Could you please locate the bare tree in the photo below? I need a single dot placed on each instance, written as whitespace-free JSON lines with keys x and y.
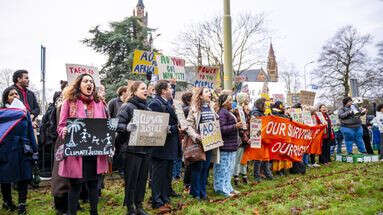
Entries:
{"x":202,"y":43}
{"x":290,"y":76}
{"x":5,"y":79}
{"x":343,"y":57}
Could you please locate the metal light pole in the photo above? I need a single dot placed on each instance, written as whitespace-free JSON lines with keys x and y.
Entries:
{"x":43,"y":66}
{"x":304,"y":73}
{"x":228,"y":56}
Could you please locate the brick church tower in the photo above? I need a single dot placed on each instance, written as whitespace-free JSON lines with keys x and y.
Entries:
{"x":272,"y":66}
{"x":140,"y":13}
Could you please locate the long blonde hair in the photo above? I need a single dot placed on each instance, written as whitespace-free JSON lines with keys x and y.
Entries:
{"x":196,"y":99}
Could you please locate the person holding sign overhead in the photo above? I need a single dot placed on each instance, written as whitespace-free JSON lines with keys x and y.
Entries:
{"x":137,"y":158}
{"x":200,"y":112}
{"x":223,"y":171}
{"x":81,"y":101}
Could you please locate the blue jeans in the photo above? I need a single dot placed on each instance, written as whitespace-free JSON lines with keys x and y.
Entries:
{"x":305,"y":159}
{"x":353,"y":135}
{"x":199,"y":174}
{"x":223,"y":173}
{"x":177,"y":168}
{"x":339,"y":141}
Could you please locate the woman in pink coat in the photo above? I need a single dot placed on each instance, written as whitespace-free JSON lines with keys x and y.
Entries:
{"x":81,"y":101}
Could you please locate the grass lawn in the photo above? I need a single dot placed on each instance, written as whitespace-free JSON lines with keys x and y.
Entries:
{"x":339,"y":188}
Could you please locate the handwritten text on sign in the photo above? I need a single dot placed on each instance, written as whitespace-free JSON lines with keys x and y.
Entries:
{"x":211,"y":135}
{"x":255,"y":133}
{"x":206,"y":76}
{"x":75,"y":70}
{"x":152,"y":128}
{"x":144,"y":62}
{"x":171,"y":68}
{"x":90,"y":137}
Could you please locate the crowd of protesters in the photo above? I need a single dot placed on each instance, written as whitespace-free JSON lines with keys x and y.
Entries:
{"x":156,"y":167}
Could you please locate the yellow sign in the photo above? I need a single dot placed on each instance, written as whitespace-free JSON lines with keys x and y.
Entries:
{"x":144,"y":62}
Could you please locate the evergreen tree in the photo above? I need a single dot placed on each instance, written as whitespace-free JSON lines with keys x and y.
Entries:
{"x":118,"y":44}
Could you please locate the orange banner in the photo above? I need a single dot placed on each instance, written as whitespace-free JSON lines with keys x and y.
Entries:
{"x":289,"y":140}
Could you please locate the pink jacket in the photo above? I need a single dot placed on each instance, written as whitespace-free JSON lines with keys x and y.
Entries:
{"x":71,"y":167}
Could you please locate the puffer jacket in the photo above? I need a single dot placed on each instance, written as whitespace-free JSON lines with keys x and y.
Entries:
{"x":229,"y":131}
{"x":348,"y":118}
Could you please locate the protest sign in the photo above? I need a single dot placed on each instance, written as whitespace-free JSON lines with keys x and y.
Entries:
{"x":334,"y":120}
{"x":211,"y":135}
{"x":307,"y":97}
{"x":180,"y":115}
{"x":307,"y":118}
{"x":289,"y":140}
{"x":171,"y":68}
{"x":74,"y":70}
{"x":278,"y":97}
{"x":206,"y":76}
{"x":144,"y":62}
{"x":152,"y":128}
{"x":296,"y":115}
{"x":90,"y":137}
{"x":321,"y":118}
{"x":242,"y":117}
{"x":255,"y":133}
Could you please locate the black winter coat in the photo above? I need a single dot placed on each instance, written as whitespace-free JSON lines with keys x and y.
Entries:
{"x":125,"y":115}
{"x":172,"y":148}
{"x":114,"y":106}
{"x":32,"y":102}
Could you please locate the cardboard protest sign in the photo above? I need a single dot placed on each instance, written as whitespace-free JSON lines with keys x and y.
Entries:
{"x":255,"y":133}
{"x":211,"y":135}
{"x":242,"y":117}
{"x":74,"y":70}
{"x":144,"y":62}
{"x":90,"y":137}
{"x":180,"y":115}
{"x":289,"y":140}
{"x":171,"y":68}
{"x":307,"y":97}
{"x":206,"y":76}
{"x":307,"y":118}
{"x":152,"y":128}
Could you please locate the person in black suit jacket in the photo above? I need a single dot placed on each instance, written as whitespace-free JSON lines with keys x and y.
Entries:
{"x":163,"y":157}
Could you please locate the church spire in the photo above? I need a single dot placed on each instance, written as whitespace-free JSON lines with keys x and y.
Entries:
{"x":140,"y":4}
{"x":272,"y":66}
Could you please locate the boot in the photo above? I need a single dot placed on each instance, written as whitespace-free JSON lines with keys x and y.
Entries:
{"x":22,"y":209}
{"x":244,"y":179}
{"x":140,"y":211}
{"x":131,"y":210}
{"x":267,"y":170}
{"x":257,"y":171}
{"x":236,"y":180}
{"x":10,"y":206}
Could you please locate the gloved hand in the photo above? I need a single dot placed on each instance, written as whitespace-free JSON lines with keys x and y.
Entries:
{"x":59,"y":156}
{"x":131,"y":127}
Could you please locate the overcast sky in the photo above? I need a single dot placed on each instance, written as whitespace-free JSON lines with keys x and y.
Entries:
{"x":299,"y":27}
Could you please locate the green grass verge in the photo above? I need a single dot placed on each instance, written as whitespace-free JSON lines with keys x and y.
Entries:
{"x":339,"y":188}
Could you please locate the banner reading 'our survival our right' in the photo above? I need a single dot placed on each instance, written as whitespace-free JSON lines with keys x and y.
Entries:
{"x":289,"y":140}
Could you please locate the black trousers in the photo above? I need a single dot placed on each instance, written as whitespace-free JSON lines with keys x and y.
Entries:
{"x":161,"y":181}
{"x":74,"y":195}
{"x":136,"y":176}
{"x":325,"y":156}
{"x":61,"y":203}
{"x":187,"y":176}
{"x":22,"y":188}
